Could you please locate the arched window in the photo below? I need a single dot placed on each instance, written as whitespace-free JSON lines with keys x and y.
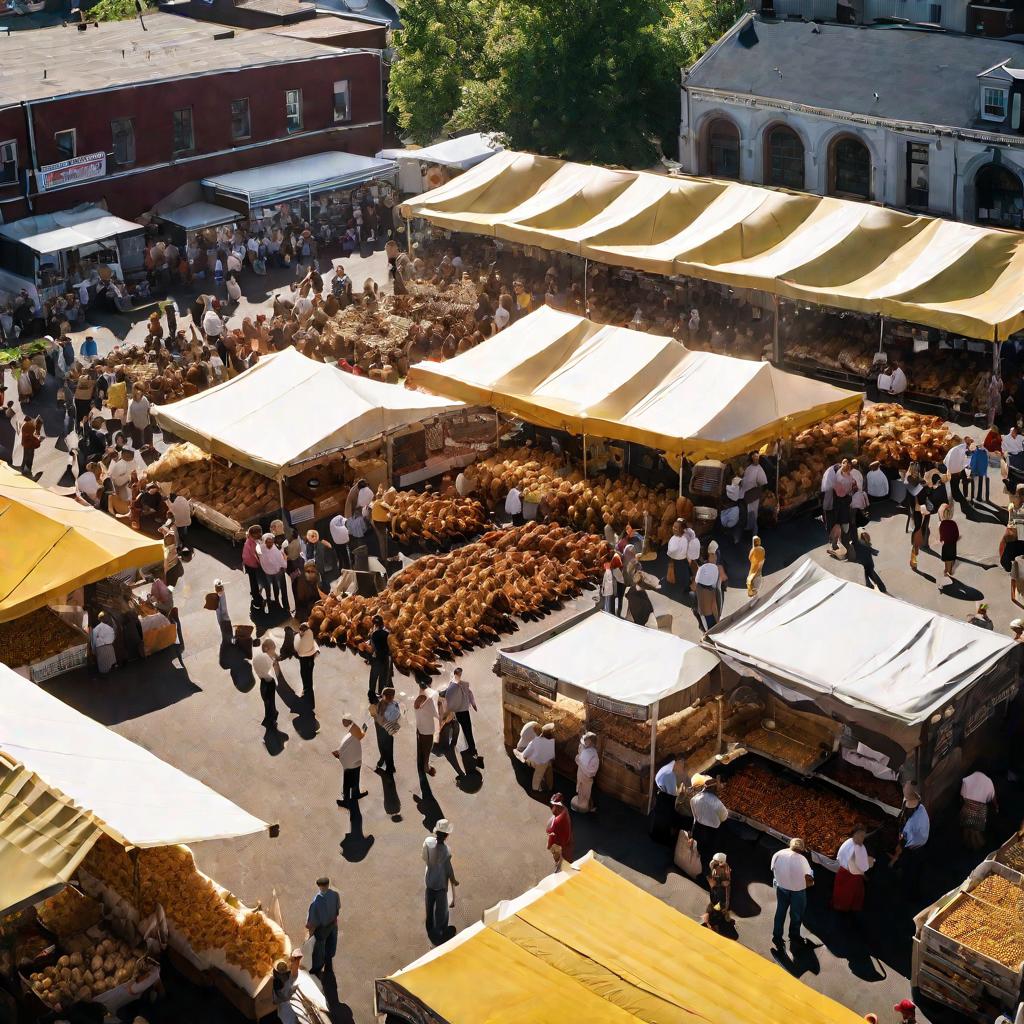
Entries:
{"x":721,"y":149}
{"x":999,"y":197}
{"x":849,"y":168}
{"x":783,"y":157}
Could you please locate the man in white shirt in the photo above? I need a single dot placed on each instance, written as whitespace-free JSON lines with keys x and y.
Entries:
{"x":754,"y":479}
{"x":514,"y":506}
{"x":350,"y":754}
{"x":181,"y":510}
{"x":709,"y":814}
{"x":121,"y":474}
{"x":540,"y":756}
{"x":978,"y":793}
{"x":1013,"y":446}
{"x":956,"y":466}
{"x":103,"y":637}
{"x":588,"y":761}
{"x":303,"y":307}
{"x":264,"y":666}
{"x":213,"y":326}
{"x":669,"y":781}
{"x":88,"y":484}
{"x":340,"y":539}
{"x":363,"y":498}
{"x":274,"y":564}
{"x":678,"y":555}
{"x":792,"y":876}
{"x":877,"y":482}
{"x":234,"y":289}
{"x":854,"y":862}
{"x":427,"y":720}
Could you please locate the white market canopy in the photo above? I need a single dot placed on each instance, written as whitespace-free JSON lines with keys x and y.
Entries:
{"x":461,"y":153}
{"x":844,"y":646}
{"x":607,"y":656}
{"x":562,"y":371}
{"x":298,"y":178}
{"x":134,"y":796}
{"x":196,"y":216}
{"x":68,"y":229}
{"x":288,"y":410}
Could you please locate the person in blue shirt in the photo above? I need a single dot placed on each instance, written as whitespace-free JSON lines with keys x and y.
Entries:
{"x":977,"y":461}
{"x":322,"y":925}
{"x":909,"y":854}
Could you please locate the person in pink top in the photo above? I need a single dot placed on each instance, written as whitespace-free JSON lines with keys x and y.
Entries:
{"x":259,"y":588}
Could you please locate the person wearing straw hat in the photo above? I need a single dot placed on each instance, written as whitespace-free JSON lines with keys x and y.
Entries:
{"x":285,"y":987}
{"x":559,"y":828}
{"x":709,"y":814}
{"x":350,"y":755}
{"x":437,"y":877}
{"x":792,"y":876}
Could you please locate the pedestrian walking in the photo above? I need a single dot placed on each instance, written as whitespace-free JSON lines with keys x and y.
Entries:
{"x":949,"y":534}
{"x":340,"y":539}
{"x":322,"y":927}
{"x":719,"y":879}
{"x":306,"y":650}
{"x":978,"y":796}
{"x":977,"y":456}
{"x":387,"y":718}
{"x":223,"y":616}
{"x":608,"y":588}
{"x":792,"y":876}
{"x":380,"y":659}
{"x":181,"y":510}
{"x":539,"y":754}
{"x":956,"y":462}
{"x":102,"y":640}
{"x":559,"y":832}
{"x":910,"y":850}
{"x":588,"y":761}
{"x":709,"y":593}
{"x":264,"y":664}
{"x":437,"y":878}
{"x":514,"y":506}
{"x":980,"y":616}
{"x":865,"y":554}
{"x":709,"y":813}
{"x":854,"y":863}
{"x":755,"y":557}
{"x":459,"y":699}
{"x":8,"y":435}
{"x":447,"y":740}
{"x":251,"y":564}
{"x":273,"y":563}
{"x":350,"y":755}
{"x":31,"y":439}
{"x":427,"y":717}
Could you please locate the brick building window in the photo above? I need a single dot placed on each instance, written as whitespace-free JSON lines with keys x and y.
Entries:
{"x":66,"y":143}
{"x":783,"y":157}
{"x":293,"y":110}
{"x":8,"y":162}
{"x":722,"y":149}
{"x":342,"y":102}
{"x":849,"y":164}
{"x":123,"y":132}
{"x":184,"y":137}
{"x":241,"y":125}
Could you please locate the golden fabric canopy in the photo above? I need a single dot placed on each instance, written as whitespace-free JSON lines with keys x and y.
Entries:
{"x":837,"y":252}
{"x":50,"y":545}
{"x":562,"y":371}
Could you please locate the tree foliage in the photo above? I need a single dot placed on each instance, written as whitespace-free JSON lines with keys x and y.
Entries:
{"x":705,"y":21}
{"x":115,"y":10}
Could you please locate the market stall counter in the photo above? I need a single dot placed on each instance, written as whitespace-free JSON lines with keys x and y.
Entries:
{"x":648,"y":695}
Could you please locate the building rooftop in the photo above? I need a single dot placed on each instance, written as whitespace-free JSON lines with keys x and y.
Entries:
{"x":889,"y":72}
{"x":324,"y":27}
{"x":56,"y":61}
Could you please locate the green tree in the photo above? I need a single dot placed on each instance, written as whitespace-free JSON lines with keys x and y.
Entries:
{"x":705,"y":21}
{"x":437,"y":50}
{"x":115,"y":10}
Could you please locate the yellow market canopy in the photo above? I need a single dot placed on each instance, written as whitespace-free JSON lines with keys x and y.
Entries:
{"x":838,"y":252}
{"x":590,"y":946}
{"x":288,"y":409}
{"x":50,"y":545}
{"x":562,"y":371}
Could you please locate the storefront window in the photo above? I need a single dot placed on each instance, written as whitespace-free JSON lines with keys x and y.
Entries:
{"x":123,"y":132}
{"x":240,"y":124}
{"x":65,"y":142}
{"x":917,"y":174}
{"x":850,"y":168}
{"x":999,"y":196}
{"x":8,"y":162}
{"x":342,"y":102}
{"x":784,"y":158}
{"x":184,"y":138}
{"x":722,"y":149}
{"x":293,"y":109}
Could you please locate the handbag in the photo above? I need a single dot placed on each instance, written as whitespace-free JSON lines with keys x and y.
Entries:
{"x":686,"y":858}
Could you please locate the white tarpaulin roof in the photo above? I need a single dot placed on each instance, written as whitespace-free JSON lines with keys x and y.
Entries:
{"x":195,"y":216}
{"x":462,"y":153}
{"x":822,"y":635}
{"x":136,"y":798}
{"x":69,"y":229}
{"x":288,"y":409}
{"x":608,"y":656}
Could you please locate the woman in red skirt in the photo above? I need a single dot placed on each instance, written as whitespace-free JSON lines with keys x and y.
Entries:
{"x":848,"y":890}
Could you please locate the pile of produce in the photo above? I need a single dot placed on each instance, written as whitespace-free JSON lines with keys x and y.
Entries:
{"x":237,"y":493}
{"x":889,"y":434}
{"x":167,"y":876}
{"x":89,"y":969}
{"x":69,"y":912}
{"x":429,"y":301}
{"x":441,"y":605}
{"x":362,"y":330}
{"x":990,"y":920}
{"x":834,"y":353}
{"x":582,"y":504}
{"x":430,"y":519}
{"x":686,"y":731}
{"x":568,"y":716}
{"x":35,"y":637}
{"x":887,"y":791}
{"x":822,"y":819}
{"x":1013,"y":855}
{"x":22,"y":948}
{"x":776,"y":744}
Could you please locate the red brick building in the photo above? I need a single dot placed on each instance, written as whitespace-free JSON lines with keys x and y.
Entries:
{"x":159,"y":107}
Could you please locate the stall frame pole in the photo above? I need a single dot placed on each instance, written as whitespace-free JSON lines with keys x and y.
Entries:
{"x":881,"y":331}
{"x":680,"y":474}
{"x":584,"y":456}
{"x":280,"y":495}
{"x":408,"y":237}
{"x":654,"y":753}
{"x":778,"y":470}
{"x":586,"y":296}
{"x":389,"y":458}
{"x":497,"y":430}
{"x":996,"y":354}
{"x":776,"y":341}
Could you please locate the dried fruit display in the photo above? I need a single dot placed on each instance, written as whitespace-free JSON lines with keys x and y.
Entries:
{"x":785,"y":748}
{"x":24,"y":946}
{"x":69,"y":912}
{"x":426,"y":518}
{"x":1013,"y":856}
{"x":87,"y":970}
{"x":442,"y":604}
{"x":822,"y":819}
{"x":887,"y":791}
{"x":191,"y":901}
{"x":35,"y":637}
{"x":237,"y":493}
{"x":985,"y":927}
{"x":583,"y":504}
{"x":568,"y":716}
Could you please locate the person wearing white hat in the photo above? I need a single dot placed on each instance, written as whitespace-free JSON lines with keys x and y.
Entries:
{"x":540,"y":756}
{"x":437,"y":877}
{"x":223,"y":617}
{"x":1017,"y":626}
{"x":587,"y":763}
{"x":709,"y":814}
{"x":350,"y":754}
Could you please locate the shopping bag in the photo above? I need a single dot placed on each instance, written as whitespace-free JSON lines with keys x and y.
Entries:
{"x":687,"y":859}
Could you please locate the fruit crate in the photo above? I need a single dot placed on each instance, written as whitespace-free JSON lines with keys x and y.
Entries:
{"x":67,"y":661}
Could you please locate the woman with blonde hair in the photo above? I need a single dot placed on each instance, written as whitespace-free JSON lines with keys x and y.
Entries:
{"x":949,"y":534}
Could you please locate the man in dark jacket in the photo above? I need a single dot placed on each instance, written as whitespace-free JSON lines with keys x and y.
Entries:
{"x":865,"y":554}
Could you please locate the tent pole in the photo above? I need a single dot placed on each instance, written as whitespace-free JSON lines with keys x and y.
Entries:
{"x":680,"y":474}
{"x":389,"y":459}
{"x":776,"y":342}
{"x":586,"y":265}
{"x":408,"y":237}
{"x":996,"y":354}
{"x":881,"y":330}
{"x":654,"y":753}
{"x":280,"y":494}
{"x":584,"y":456}
{"x":778,"y":469}
{"x":497,"y":430}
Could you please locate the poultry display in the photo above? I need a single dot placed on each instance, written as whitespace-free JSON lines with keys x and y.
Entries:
{"x":433,"y":520}
{"x":233,"y":491}
{"x":585,"y":504}
{"x":441,"y":605}
{"x":889,"y":433}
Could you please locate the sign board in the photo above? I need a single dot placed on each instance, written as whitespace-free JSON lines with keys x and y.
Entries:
{"x":617,"y":707}
{"x":71,"y":172}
